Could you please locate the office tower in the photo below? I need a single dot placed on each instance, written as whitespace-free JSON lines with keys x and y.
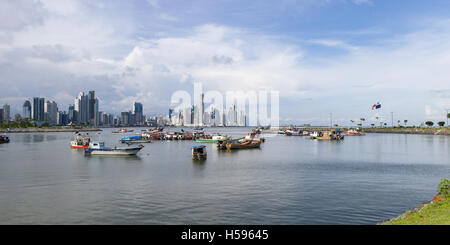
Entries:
{"x":82,"y":108}
{"x":92,"y":110}
{"x":38,"y":109}
{"x":62,"y":118}
{"x":72,"y":115}
{"x":138,"y":113}
{"x":1,"y":115}
{"x":96,"y":119}
{"x":6,"y":113}
{"x":125,"y":118}
{"x":26,"y":110}
{"x":51,"y":110}
{"x":170,"y":115}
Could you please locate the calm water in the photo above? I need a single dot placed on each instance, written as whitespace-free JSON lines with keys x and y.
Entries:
{"x":290,"y":180}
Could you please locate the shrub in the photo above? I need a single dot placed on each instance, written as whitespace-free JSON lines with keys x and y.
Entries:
{"x":444,"y":188}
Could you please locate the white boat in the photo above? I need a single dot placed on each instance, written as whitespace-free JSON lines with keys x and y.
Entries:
{"x":98,"y":148}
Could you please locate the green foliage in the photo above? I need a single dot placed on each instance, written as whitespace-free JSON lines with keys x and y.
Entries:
{"x":444,"y":188}
{"x":429,"y":123}
{"x":441,"y":124}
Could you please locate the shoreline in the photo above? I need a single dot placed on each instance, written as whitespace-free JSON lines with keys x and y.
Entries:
{"x":49,"y":130}
{"x":435,"y":212}
{"x":395,"y":130}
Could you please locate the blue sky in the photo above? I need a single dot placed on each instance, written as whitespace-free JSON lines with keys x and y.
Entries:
{"x":339,"y":56}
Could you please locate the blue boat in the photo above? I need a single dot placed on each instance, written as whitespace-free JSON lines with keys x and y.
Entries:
{"x":134,"y":139}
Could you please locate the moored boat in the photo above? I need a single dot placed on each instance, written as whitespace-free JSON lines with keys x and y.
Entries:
{"x":80,"y":142}
{"x":4,"y":139}
{"x":249,"y":144}
{"x":213,"y":139}
{"x":354,"y":132}
{"x":331,"y":135}
{"x":134,"y":139}
{"x":123,"y":130}
{"x":199,"y":152}
{"x":98,"y":148}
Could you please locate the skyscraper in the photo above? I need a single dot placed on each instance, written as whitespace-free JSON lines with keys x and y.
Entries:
{"x":38,"y":109}
{"x":138,"y":113}
{"x":6,"y":113}
{"x":72,"y":114}
{"x":125,"y":118}
{"x":51,"y":110}
{"x":81,"y":108}
{"x":92,"y":110}
{"x":26,"y":114}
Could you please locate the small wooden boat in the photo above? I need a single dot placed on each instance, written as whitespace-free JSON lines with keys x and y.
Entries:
{"x":199,"y":152}
{"x":4,"y":139}
{"x":98,"y":148}
{"x":80,"y":142}
{"x":243,"y":145}
{"x":123,"y":130}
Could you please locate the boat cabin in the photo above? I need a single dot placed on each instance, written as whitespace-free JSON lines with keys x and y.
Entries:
{"x":198,"y":152}
{"x":97,"y":145}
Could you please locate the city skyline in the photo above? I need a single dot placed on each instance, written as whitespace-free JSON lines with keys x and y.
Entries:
{"x":313,"y":52}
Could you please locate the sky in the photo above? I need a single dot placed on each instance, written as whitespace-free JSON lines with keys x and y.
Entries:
{"x":323,"y":56}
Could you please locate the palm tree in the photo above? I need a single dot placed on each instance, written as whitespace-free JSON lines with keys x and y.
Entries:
{"x":398,"y":123}
{"x":405,"y":121}
{"x":362,"y":120}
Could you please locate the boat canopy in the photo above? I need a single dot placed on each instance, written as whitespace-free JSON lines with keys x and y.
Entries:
{"x":198,"y":146}
{"x":97,"y":145}
{"x":132,"y":138}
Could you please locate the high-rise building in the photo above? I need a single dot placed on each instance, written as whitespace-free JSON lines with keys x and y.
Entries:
{"x":81,"y":109}
{"x":38,"y":109}
{"x":72,"y":114}
{"x":92,"y":108}
{"x":138,"y":113}
{"x":26,"y":110}
{"x":51,"y":110}
{"x":6,"y":113}
{"x":62,"y":118}
{"x":125,"y":118}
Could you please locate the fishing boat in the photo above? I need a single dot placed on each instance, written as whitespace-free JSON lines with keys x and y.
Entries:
{"x":249,"y":144}
{"x":134,"y":139}
{"x":123,"y":130}
{"x":331,"y":135}
{"x":4,"y":139}
{"x":254,"y":137}
{"x":293,"y":133}
{"x":213,"y":139}
{"x":199,"y":152}
{"x":98,"y":148}
{"x":80,"y":142}
{"x":313,"y":135}
{"x":353,"y":132}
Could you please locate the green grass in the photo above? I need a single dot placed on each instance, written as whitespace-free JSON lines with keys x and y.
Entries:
{"x":432,"y":214}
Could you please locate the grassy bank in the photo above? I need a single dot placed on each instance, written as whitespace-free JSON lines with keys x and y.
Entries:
{"x":411,"y":130}
{"x":390,"y":130}
{"x":428,"y":214}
